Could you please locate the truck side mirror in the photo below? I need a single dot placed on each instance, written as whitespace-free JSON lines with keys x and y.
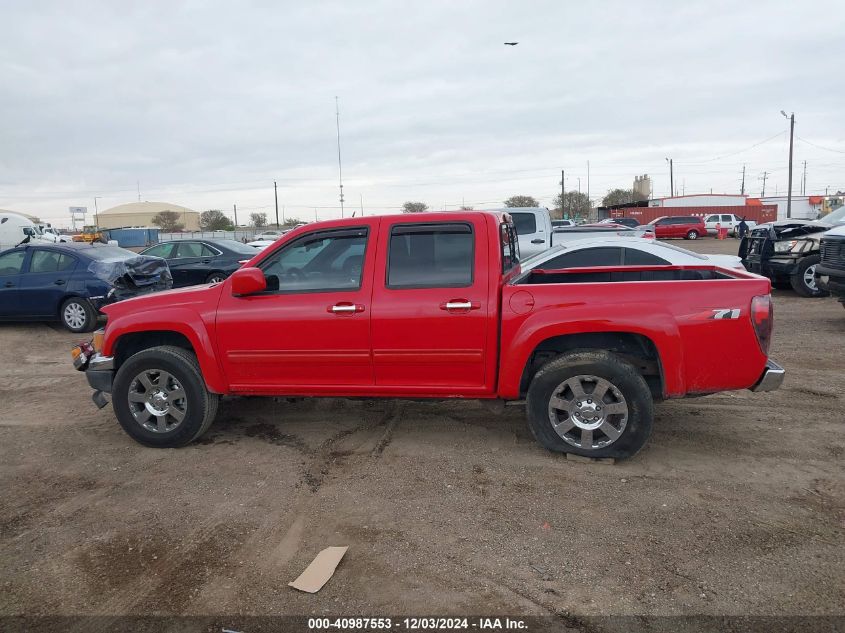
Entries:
{"x":248,"y":281}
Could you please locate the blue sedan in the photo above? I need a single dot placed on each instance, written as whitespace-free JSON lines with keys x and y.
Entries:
{"x":71,"y":282}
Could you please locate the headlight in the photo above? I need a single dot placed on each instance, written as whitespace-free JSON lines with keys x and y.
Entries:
{"x":97,"y":340}
{"x":785,"y":247}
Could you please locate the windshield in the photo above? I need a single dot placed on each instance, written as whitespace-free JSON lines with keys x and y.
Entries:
{"x":834,"y":217}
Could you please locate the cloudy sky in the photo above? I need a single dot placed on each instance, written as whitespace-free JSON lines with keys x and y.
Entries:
{"x":205,"y":104}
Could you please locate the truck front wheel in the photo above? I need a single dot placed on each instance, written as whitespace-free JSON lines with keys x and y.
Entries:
{"x":160,"y":399}
{"x":804,"y":279}
{"x":590,"y":403}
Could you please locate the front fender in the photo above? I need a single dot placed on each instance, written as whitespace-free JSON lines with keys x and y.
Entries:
{"x":181,"y":320}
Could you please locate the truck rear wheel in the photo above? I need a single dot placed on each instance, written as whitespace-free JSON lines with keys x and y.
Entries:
{"x":804,"y":280}
{"x":160,"y":399}
{"x":590,"y":403}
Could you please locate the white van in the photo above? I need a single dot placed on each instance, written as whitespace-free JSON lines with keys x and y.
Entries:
{"x":14,"y":228}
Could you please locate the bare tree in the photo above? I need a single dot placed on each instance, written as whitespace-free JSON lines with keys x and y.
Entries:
{"x":414,"y":207}
{"x":258,"y":220}
{"x":521,"y":201}
{"x":168,"y":221}
{"x":215,"y":220}
{"x":621,"y":196}
{"x":573,"y":205}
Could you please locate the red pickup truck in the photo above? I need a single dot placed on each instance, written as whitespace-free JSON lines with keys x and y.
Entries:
{"x":435,"y":305}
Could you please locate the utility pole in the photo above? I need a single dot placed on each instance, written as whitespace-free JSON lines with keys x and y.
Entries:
{"x":804,"y":181}
{"x":362,"y":204}
{"x":763,"y":177}
{"x":671,"y":178}
{"x":791,"y":118}
{"x":339,"y":165}
{"x":588,"y":186}
{"x":562,"y":194}
{"x":742,"y":191}
{"x":96,"y":213}
{"x":276,"y":196}
{"x":138,"y":182}
{"x":235,"y":207}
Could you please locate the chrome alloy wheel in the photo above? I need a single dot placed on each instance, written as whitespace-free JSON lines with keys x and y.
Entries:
{"x":810,"y":278}
{"x":157,"y":401}
{"x":74,"y":315}
{"x":588,"y":412}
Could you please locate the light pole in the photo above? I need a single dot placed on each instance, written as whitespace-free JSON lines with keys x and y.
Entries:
{"x":791,"y":118}
{"x":671,"y":178}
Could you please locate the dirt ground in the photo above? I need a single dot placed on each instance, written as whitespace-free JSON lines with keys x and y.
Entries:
{"x":735,"y":507}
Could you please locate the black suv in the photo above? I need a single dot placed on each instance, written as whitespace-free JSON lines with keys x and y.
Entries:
{"x":788,"y":252}
{"x":830,"y":273}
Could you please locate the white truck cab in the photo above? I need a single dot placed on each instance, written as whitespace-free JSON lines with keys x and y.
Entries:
{"x":533,"y":227}
{"x":727,"y":221}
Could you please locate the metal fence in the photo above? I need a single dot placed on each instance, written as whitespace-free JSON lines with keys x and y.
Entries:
{"x":238,"y":235}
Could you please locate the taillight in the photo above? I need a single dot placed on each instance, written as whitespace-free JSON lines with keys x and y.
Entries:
{"x":762,"y":316}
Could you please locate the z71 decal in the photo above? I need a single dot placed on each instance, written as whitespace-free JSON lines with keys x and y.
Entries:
{"x":726,"y":313}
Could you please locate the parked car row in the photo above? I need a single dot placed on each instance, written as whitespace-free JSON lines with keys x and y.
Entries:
{"x":72,"y":282}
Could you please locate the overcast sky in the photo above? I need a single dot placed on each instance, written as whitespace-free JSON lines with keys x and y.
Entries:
{"x":205,"y":105}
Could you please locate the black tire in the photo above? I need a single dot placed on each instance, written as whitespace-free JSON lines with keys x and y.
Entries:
{"x":215,"y":277}
{"x":692,"y":235}
{"x":800,"y":280}
{"x":630,"y":389}
{"x":199,"y":405}
{"x":78,"y":315}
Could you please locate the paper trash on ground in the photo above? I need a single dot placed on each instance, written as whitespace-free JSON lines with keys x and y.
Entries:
{"x":320,"y":570}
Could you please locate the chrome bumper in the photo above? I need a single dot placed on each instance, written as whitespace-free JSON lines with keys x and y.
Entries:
{"x":100,"y":372}
{"x":771,"y":379}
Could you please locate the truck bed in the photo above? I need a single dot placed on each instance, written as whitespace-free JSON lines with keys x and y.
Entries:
{"x":604,"y":274}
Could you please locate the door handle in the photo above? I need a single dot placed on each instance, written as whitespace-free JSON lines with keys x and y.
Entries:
{"x":59,"y":282}
{"x":9,"y":284}
{"x":206,"y":261}
{"x":539,"y":240}
{"x":459,"y":305}
{"x":345,"y":308}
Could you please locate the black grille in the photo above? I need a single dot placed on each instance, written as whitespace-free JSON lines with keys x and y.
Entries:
{"x":833,"y":252}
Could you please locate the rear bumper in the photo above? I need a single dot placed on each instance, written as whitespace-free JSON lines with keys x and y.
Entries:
{"x":771,"y":379}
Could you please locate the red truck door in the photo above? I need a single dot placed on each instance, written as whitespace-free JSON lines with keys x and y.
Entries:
{"x":311,"y":327}
{"x":430,"y":310}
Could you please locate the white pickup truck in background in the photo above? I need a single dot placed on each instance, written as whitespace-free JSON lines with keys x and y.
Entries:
{"x":537,"y":233}
{"x":728,"y":221}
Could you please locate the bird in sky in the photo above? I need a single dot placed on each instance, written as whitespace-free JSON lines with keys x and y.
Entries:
{"x":511,"y":43}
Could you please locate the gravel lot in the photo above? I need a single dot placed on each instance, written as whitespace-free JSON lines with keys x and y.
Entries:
{"x":736,"y":506}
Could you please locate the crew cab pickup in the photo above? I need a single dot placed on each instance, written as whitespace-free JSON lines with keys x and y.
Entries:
{"x":435,"y":306}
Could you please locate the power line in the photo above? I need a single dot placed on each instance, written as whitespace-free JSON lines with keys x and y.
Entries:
{"x":710,"y":160}
{"x":827,"y":149}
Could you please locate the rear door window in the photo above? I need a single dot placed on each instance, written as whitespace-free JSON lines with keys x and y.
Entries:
{"x":431,"y":256}
{"x":50,"y":262}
